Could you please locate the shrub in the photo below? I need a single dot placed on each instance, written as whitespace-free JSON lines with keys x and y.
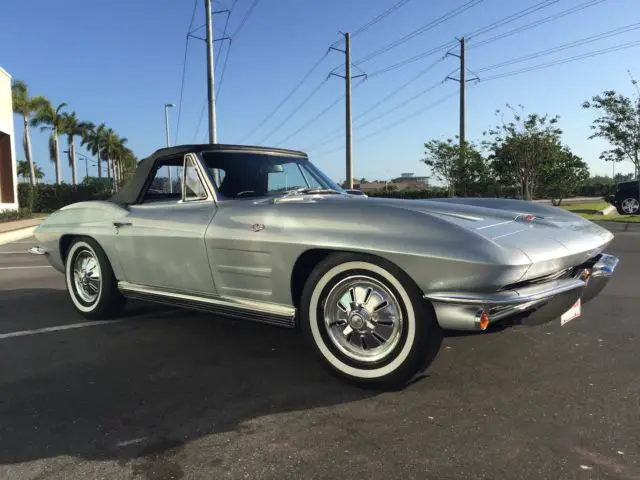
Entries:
{"x":49,"y":198}
{"x":11,"y":215}
{"x":25,"y":196}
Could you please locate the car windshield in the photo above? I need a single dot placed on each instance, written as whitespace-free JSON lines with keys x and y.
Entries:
{"x":247,"y":174}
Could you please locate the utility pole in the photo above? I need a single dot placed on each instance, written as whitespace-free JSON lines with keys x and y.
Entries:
{"x":347,"y":110}
{"x":210,"y":73}
{"x":462,"y":81}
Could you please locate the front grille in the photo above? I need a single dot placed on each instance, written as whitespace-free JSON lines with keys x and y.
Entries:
{"x":572,"y":272}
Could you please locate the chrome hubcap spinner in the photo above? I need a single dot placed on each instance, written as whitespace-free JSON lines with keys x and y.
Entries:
{"x":363,"y":318}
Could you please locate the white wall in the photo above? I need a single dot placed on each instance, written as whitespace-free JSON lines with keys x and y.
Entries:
{"x":6,"y":126}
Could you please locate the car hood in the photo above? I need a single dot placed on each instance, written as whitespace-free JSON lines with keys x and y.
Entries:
{"x":552,"y":238}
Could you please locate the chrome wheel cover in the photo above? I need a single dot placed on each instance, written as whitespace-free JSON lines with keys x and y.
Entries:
{"x":87,"y":276}
{"x":630,"y":205}
{"x":363,"y":318}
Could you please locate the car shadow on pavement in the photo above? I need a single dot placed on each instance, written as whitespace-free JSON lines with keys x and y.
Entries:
{"x":147,"y":385}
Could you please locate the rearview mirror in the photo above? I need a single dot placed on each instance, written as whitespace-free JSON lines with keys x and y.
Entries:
{"x":274,"y":168}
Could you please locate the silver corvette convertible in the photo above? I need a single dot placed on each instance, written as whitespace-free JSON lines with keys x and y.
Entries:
{"x":261,"y":234}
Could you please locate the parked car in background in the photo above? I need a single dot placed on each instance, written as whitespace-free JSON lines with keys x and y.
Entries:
{"x":261,"y":234}
{"x":627,"y":198}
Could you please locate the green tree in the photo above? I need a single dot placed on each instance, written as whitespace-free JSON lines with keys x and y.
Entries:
{"x":94,"y":137}
{"x":52,"y":119}
{"x":562,"y":175}
{"x":26,"y":106}
{"x":72,"y":127}
{"x":24,"y":170}
{"x":521,"y":149}
{"x":443,"y":158}
{"x":622,"y":177}
{"x":619,"y":124}
{"x":600,"y":180}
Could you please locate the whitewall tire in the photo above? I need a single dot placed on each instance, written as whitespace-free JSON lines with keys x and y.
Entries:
{"x":90,"y":281}
{"x":368,"y":321}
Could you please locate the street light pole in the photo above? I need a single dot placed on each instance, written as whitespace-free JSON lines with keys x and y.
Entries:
{"x":166,"y":127}
{"x":85,"y":158}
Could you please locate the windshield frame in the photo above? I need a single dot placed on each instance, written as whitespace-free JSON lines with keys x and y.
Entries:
{"x":307,"y":169}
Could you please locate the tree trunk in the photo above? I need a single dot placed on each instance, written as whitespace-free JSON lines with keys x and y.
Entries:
{"x":72,"y":152}
{"x":99,"y":164}
{"x":116,"y":167}
{"x":57,"y":152}
{"x":27,"y":151}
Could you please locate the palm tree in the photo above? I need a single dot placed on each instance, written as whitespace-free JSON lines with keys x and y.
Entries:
{"x":94,"y":138}
{"x":114,"y":146}
{"x":71,"y":127}
{"x":24,"y":171}
{"x":49,"y":119}
{"x":26,"y":106}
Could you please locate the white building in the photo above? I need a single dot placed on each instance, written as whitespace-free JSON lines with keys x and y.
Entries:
{"x":8,"y":177}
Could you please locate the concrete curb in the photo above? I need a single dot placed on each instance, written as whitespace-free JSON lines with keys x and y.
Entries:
{"x":15,"y":235}
{"x":619,"y":226}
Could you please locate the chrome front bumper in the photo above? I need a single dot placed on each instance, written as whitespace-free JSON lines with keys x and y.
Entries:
{"x":531,"y":305}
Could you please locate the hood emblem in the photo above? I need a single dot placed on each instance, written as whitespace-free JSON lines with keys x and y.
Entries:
{"x":256,"y":227}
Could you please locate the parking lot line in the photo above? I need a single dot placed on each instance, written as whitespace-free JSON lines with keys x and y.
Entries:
{"x":19,"y":252}
{"x":25,"y":266}
{"x":38,"y":331}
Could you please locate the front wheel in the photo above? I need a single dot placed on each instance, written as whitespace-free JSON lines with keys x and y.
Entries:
{"x":91,"y":284}
{"x":368,"y":321}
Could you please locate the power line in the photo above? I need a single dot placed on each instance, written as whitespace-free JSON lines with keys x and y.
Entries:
{"x":415,"y":58}
{"x":511,"y":18}
{"x":563,"y":61}
{"x":576,"y":43}
{"x":400,"y":121}
{"x":387,"y":112}
{"x":449,"y":44}
{"x":294,"y":111}
{"x":331,"y":135}
{"x":380,"y":17}
{"x":434,"y":23}
{"x":184,"y":68}
{"x":361,"y":29}
{"x":245,"y":18}
{"x":318,"y":116}
{"x":286,"y":98}
{"x":542,"y":21}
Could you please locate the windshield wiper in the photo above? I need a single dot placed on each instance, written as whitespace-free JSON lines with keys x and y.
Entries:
{"x":309,"y":191}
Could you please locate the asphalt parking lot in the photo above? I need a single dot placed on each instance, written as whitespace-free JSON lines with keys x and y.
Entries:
{"x":167,"y":394}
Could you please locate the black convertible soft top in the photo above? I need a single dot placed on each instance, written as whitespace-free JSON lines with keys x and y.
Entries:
{"x":131,"y":192}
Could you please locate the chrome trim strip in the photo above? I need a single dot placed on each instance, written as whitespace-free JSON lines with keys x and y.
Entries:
{"x":38,"y":250}
{"x":232,"y":303}
{"x":508,"y":297}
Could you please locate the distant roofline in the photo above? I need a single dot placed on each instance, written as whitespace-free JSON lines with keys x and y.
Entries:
{"x":2,"y":70}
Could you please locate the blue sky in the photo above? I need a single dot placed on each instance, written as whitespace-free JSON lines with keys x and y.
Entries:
{"x":121,"y":61}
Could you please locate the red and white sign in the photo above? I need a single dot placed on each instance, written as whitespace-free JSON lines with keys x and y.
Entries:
{"x":573,"y":312}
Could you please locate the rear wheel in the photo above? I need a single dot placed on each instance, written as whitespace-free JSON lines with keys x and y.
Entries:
{"x":90,"y":281}
{"x":629,"y":206}
{"x":368,"y":321}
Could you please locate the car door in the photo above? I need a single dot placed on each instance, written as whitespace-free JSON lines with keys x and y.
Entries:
{"x":161,"y":242}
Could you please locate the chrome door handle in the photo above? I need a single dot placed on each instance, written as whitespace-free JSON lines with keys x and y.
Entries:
{"x":122,"y":224}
